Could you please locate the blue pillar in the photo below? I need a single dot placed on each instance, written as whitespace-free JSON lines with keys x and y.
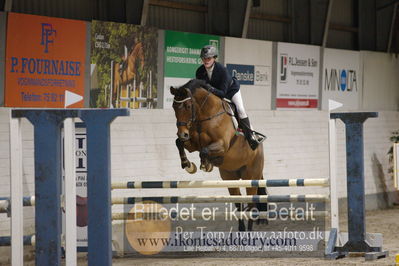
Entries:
{"x":355,"y":181}
{"x":47,"y":141}
{"x":99,"y":184}
{"x":47,"y":136}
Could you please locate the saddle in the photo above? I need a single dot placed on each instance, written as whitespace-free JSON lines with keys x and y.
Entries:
{"x":231,"y":110}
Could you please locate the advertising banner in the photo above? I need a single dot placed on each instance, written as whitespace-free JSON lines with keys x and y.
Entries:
{"x":250,"y":74}
{"x":250,"y":61}
{"x":3,"y":23}
{"x":81,"y":186}
{"x":187,"y":229}
{"x":297,"y":81}
{"x":341,"y":78}
{"x":123,"y":65}
{"x":45,"y":62}
{"x":182,"y":58}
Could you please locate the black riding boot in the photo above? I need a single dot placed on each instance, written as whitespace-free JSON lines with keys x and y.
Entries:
{"x":249,"y":133}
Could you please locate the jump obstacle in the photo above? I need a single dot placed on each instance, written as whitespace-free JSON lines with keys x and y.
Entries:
{"x":5,"y":205}
{"x":222,"y":184}
{"x":214,"y":199}
{"x":27,"y":240}
{"x":47,"y":124}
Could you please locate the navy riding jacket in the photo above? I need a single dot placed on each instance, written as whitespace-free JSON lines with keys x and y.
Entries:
{"x":225,"y":86}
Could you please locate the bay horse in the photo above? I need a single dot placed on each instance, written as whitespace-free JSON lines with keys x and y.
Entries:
{"x":204,"y":124}
{"x":127,"y":70}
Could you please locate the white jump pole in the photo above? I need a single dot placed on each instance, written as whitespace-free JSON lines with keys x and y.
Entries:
{"x":70,"y":192}
{"x":332,"y":141}
{"x":17,"y":229}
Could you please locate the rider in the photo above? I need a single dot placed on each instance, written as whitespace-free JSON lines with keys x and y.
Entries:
{"x":223,"y":85}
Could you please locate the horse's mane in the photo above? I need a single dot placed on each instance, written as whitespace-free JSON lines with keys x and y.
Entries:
{"x":194,"y":84}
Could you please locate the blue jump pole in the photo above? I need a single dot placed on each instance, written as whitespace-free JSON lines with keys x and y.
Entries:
{"x":355,"y":184}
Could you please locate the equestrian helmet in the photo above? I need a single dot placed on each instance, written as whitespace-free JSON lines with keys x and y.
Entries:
{"x":209,"y":51}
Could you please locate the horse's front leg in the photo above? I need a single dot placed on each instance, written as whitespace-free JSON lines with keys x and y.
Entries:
{"x":185,"y":163}
{"x":205,"y":164}
{"x":212,"y":155}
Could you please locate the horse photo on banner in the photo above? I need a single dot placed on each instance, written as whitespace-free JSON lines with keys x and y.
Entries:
{"x":123,"y":65}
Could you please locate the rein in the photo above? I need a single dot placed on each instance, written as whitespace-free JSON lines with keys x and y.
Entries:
{"x":193,"y":113}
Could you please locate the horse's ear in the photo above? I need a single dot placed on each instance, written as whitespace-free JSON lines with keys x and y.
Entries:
{"x":173,"y":90}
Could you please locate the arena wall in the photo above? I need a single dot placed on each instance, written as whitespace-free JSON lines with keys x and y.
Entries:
{"x":380,"y":81}
{"x":143,"y":149}
{"x":297,"y":147}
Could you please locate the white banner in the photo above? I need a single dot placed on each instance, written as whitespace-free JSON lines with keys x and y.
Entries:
{"x":297,"y":76}
{"x":341,"y":78}
{"x":250,"y":61}
{"x":380,"y":81}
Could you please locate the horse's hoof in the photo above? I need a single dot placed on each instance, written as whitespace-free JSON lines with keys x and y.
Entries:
{"x":192,"y":169}
{"x":206,"y":167}
{"x":203,"y":167}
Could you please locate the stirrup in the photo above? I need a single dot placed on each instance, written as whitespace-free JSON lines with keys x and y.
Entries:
{"x":259,"y":137}
{"x":255,"y":139}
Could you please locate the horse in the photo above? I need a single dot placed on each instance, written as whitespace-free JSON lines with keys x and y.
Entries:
{"x":133,"y":65}
{"x":204,"y":124}
{"x":127,"y":70}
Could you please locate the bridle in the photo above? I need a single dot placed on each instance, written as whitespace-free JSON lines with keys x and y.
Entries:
{"x":194,"y":119}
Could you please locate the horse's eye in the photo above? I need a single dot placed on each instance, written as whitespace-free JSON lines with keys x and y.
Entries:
{"x":188,"y":106}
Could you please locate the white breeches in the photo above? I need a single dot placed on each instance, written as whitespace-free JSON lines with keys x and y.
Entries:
{"x":237,"y":100}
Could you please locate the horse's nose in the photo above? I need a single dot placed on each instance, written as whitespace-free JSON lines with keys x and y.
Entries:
{"x":183,"y":135}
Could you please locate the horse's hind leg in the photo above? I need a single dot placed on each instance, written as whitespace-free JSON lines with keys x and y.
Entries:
{"x":241,"y":224}
{"x":251,"y":206}
{"x":254,"y":171}
{"x":234,"y":175}
{"x":262,"y":206}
